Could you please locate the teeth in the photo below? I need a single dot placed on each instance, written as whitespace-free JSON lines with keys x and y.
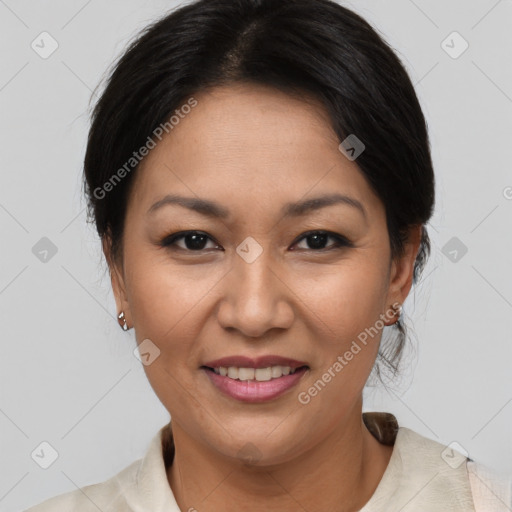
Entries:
{"x":259,"y":374}
{"x":264,"y":373}
{"x":246,"y":373}
{"x":276,"y":371}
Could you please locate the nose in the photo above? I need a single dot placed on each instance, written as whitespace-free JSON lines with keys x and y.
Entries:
{"x":256,"y":297}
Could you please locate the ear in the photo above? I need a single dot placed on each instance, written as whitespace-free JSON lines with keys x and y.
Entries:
{"x":402,"y":268}
{"x":117,"y":280}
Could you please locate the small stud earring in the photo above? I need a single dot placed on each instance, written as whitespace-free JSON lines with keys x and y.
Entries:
{"x":122,"y":321}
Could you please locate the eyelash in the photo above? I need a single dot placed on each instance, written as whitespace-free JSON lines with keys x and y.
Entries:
{"x":340,"y":241}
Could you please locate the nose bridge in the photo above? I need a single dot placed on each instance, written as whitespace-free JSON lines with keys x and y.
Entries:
{"x":255,"y":298}
{"x":253,"y":269}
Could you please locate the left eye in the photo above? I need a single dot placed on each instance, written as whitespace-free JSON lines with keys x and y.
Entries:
{"x":318,"y":239}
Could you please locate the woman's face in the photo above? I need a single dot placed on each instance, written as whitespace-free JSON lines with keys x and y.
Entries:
{"x":253,"y":283}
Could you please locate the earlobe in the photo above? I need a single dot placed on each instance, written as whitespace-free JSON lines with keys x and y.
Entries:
{"x":396,"y":308}
{"x":402,"y":268}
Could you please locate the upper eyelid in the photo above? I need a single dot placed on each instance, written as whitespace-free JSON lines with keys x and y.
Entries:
{"x":321,"y":232}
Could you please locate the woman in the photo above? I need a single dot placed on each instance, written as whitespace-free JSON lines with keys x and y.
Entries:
{"x":260,"y":176}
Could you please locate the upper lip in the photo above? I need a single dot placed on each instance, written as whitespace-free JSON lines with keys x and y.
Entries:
{"x":257,"y":362}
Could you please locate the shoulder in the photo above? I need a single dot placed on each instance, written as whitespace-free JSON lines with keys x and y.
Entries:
{"x":105,"y":496}
{"x":433,"y":476}
{"x":142,"y":485}
{"x":421,"y":451}
{"x":492,"y":490}
{"x":455,"y":474}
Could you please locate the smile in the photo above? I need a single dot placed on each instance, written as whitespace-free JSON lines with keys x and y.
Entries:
{"x":254,"y":384}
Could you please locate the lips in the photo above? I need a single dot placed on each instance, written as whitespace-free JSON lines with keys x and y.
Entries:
{"x":255,"y":391}
{"x":258,"y":362}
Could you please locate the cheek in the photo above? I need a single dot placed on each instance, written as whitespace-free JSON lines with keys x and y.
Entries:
{"x":167,"y":307}
{"x":348,"y":302}
{"x":164,"y":297}
{"x":170,"y":306}
{"x":347,"y":299}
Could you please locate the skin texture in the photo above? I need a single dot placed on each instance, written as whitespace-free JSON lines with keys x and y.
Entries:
{"x":252,"y":149}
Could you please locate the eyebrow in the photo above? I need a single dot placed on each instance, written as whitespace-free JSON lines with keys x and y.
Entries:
{"x":211,"y":209}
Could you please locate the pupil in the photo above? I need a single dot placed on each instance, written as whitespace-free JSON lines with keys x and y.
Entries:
{"x":197,"y":241}
{"x":318,"y":240}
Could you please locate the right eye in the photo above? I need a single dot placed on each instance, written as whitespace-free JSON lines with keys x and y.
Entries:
{"x":193,"y":241}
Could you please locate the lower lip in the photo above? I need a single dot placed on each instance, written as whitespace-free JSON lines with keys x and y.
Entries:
{"x":252,"y":390}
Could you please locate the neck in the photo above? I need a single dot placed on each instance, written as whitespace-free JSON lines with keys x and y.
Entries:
{"x":340,"y":474}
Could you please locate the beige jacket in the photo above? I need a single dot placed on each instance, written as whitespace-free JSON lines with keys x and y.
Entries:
{"x":422,"y":476}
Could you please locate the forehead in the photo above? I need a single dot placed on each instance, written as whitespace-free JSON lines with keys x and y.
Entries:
{"x":250,"y":143}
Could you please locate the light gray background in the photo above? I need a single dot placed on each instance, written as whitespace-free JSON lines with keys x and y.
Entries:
{"x":68,"y":374}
